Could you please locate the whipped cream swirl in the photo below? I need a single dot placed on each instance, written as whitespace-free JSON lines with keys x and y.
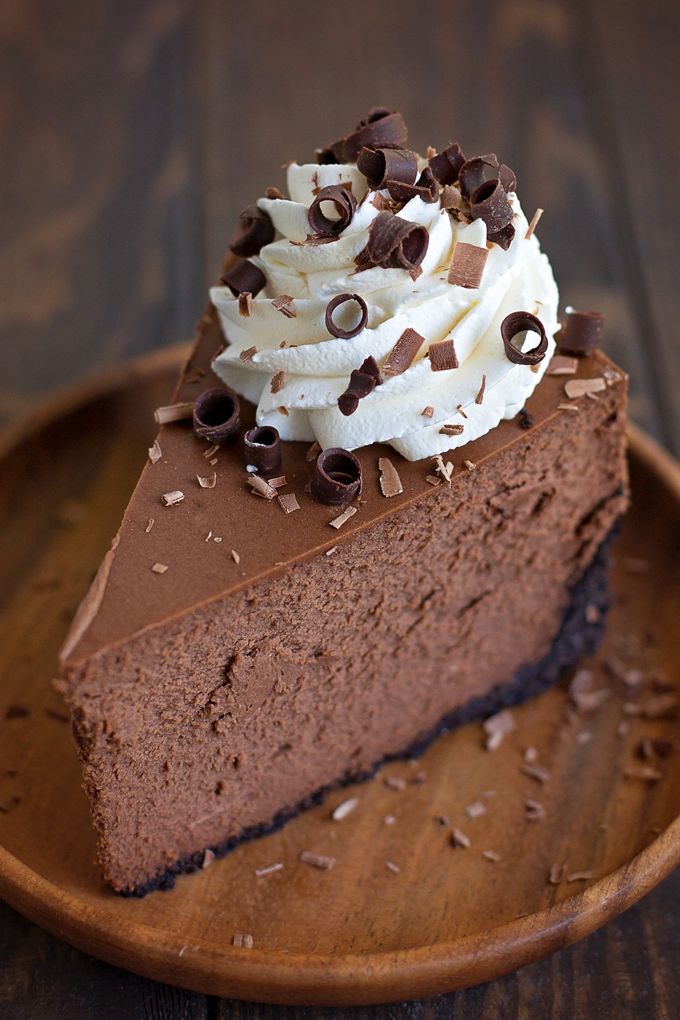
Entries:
{"x":310,"y":368}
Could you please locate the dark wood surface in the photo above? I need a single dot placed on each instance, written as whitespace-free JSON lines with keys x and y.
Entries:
{"x":132,"y":133}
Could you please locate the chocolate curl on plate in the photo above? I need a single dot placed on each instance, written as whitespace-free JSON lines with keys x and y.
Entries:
{"x":523,"y":322}
{"x":382,"y":165}
{"x":345,"y":204}
{"x":244,"y":277}
{"x":381,"y":128}
{"x":393,"y":243}
{"x":262,"y":446}
{"x":362,"y":381}
{"x":446,"y":164}
{"x":581,"y":333}
{"x":425,"y":188}
{"x":255,"y":229}
{"x":336,"y":302}
{"x":489,"y":203}
{"x":217,"y":415}
{"x":336,"y":477}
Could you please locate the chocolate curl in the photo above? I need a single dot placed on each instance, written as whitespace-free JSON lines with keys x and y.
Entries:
{"x":345,"y":204}
{"x":382,"y":165}
{"x":393,"y":243}
{"x":341,"y":299}
{"x":381,"y":128}
{"x":362,"y":381}
{"x":489,"y":203}
{"x":244,"y":277}
{"x":262,"y":447}
{"x":475,"y":171}
{"x":217,"y":415}
{"x":254,"y":231}
{"x":425,"y":188}
{"x":581,"y":333}
{"x":520,"y":322}
{"x":503,"y":238}
{"x":336,"y":477}
{"x":446,"y":165}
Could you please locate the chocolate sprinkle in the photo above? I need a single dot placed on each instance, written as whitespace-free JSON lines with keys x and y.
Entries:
{"x":404,"y":351}
{"x":254,"y":231}
{"x":336,"y":302}
{"x":382,"y":165}
{"x":336,"y":477}
{"x":244,"y":277}
{"x":345,"y":205}
{"x":217,"y":415}
{"x":521,"y":322}
{"x":425,"y":188}
{"x":446,"y":165}
{"x":489,"y":203}
{"x":443,"y":356}
{"x":380,"y":128}
{"x":245,"y":304}
{"x":262,"y":446}
{"x":393,"y":243}
{"x":581,"y":333}
{"x":467,"y":265}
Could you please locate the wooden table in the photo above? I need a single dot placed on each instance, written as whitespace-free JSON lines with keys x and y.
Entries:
{"x":132,"y":133}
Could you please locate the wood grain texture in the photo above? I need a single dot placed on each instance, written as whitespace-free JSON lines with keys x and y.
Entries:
{"x":142,"y":129}
{"x":447,"y":918}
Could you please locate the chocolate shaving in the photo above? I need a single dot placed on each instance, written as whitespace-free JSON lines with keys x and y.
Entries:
{"x":336,"y":477}
{"x":451,"y":430}
{"x":480,"y":394}
{"x":425,"y":188}
{"x":503,"y":238}
{"x":581,"y":333}
{"x":313,"y":452}
{"x":245,"y":304}
{"x":172,"y":498}
{"x":159,"y":568}
{"x":288,"y":502}
{"x":584,"y":387}
{"x":244,"y":277}
{"x":521,"y":322}
{"x":345,"y":205}
{"x":278,"y":382}
{"x":459,"y":839}
{"x":217,"y":415}
{"x":489,"y":203}
{"x":319,"y":861}
{"x":467,"y":265}
{"x":533,"y":224}
{"x":255,"y":229}
{"x":393,"y":243}
{"x":338,"y":522}
{"x":207,"y":483}
{"x":155,"y":452}
{"x":390,"y":482}
{"x":284,"y":304}
{"x":445,"y":166}
{"x":443,"y":356}
{"x":362,"y":381}
{"x":476,"y":171}
{"x":380,"y":165}
{"x":344,"y":808}
{"x":261,"y":488}
{"x":336,"y":302}
{"x":402,"y":354}
{"x":427,"y":412}
{"x":173,"y":412}
{"x":561,"y":365}
{"x":243,"y":941}
{"x":380,"y":128}
{"x":497,"y":727}
{"x":262,"y":446}
{"x":247,"y":354}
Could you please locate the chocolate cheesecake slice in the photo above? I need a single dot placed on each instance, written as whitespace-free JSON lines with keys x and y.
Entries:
{"x":246,"y":645}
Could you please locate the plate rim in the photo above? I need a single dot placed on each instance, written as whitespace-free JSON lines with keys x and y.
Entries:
{"x":275,"y":976}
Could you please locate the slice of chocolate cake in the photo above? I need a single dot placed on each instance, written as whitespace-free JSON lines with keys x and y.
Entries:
{"x":269,"y":623}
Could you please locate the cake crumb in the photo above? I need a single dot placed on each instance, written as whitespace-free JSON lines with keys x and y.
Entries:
{"x":389,"y":820}
{"x":208,"y":858}
{"x":534,"y":810}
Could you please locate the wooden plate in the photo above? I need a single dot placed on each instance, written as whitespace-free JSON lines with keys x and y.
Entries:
{"x":362,"y":932}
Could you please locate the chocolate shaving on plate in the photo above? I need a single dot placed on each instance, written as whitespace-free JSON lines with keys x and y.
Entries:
{"x":217,"y":415}
{"x":261,"y":488}
{"x":337,"y":302}
{"x":390,"y":482}
{"x":172,"y":498}
{"x":446,"y":165}
{"x":561,"y":365}
{"x":320,"y":861}
{"x":344,"y":204}
{"x":155,"y":452}
{"x":344,"y":808}
{"x":338,"y":522}
{"x":207,"y":483}
{"x":159,"y":568}
{"x":393,"y":243}
{"x":380,"y":128}
{"x":496,"y":727}
{"x":582,"y":332}
{"x":403,"y":353}
{"x":255,"y":229}
{"x":288,"y":502}
{"x":517,"y":323}
{"x":467,"y":265}
{"x":244,"y":277}
{"x":173,"y":412}
{"x":443,"y":356}
{"x":336,"y":477}
{"x":582,"y":387}
{"x":380,"y":165}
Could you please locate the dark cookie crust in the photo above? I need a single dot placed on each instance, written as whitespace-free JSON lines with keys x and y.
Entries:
{"x":576,"y":639}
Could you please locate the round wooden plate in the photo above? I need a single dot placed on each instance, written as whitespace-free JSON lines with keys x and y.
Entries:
{"x":363,"y":932}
